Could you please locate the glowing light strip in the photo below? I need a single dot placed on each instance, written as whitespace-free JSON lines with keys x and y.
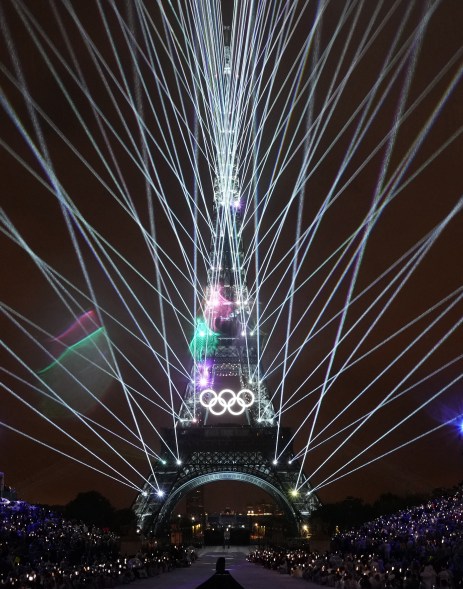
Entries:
{"x":346,"y":366}
{"x":401,"y":422}
{"x":368,"y":97}
{"x":410,"y":179}
{"x":83,"y":416}
{"x":16,"y":120}
{"x":63,"y":431}
{"x":451,"y":139}
{"x":73,"y":458}
{"x":215,"y":95}
{"x":359,"y":256}
{"x":100,"y":115}
{"x":11,"y":312}
{"x":451,"y":421}
{"x":42,"y":267}
{"x":412,"y":371}
{"x":416,"y":260}
{"x":360,"y":418}
{"x":422,"y":252}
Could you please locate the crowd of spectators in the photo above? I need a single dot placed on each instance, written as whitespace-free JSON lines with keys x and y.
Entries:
{"x":416,"y":548}
{"x":41,"y":550}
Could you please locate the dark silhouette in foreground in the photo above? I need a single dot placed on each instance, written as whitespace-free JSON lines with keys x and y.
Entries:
{"x":221,"y":578}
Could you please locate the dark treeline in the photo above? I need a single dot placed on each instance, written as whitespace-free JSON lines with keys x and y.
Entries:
{"x":93,"y":509}
{"x":352,"y":511}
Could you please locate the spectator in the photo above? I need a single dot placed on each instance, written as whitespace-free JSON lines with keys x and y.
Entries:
{"x":38,"y":548}
{"x":221,"y":579}
{"x":391,"y":552}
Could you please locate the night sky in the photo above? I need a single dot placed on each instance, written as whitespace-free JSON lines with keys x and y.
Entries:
{"x":386,"y":109}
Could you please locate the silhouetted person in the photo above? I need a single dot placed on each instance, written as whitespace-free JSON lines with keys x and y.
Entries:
{"x":221,"y":578}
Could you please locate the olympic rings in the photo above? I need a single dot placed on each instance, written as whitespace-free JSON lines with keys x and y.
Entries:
{"x":209,"y":399}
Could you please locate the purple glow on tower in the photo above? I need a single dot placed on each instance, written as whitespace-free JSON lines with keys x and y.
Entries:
{"x":204,"y":374}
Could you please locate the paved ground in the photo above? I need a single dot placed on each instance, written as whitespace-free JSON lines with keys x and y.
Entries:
{"x":251,"y":576}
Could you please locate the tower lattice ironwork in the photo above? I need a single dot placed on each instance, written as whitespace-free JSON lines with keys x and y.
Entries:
{"x":227,"y":428}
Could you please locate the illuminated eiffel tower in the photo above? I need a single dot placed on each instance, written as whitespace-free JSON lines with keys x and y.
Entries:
{"x":227,"y":428}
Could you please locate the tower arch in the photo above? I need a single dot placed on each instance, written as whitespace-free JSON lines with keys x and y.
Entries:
{"x":220,"y":453}
{"x":197,"y":481}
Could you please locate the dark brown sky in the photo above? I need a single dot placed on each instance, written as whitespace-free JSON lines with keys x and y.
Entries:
{"x":77,"y":131}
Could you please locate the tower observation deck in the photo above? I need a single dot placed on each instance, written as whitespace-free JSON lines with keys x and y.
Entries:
{"x":227,"y":427}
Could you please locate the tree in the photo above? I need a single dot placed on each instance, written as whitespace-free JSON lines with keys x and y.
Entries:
{"x":91,"y":508}
{"x":342,"y":515}
{"x":124,"y":522}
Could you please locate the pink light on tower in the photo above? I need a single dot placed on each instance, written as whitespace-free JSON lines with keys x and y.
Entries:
{"x":217,"y":308}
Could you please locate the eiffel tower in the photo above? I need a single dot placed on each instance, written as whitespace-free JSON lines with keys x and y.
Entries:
{"x":227,"y":428}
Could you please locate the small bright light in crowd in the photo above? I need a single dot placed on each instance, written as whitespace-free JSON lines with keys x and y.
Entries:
{"x":179,"y":462}
{"x":203,"y":381}
{"x":243,"y":333}
{"x":275,"y":461}
{"x":160,"y":493}
{"x":144,"y":493}
{"x":294,"y":492}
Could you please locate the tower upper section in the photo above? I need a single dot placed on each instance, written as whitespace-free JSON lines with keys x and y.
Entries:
{"x":224,"y":346}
